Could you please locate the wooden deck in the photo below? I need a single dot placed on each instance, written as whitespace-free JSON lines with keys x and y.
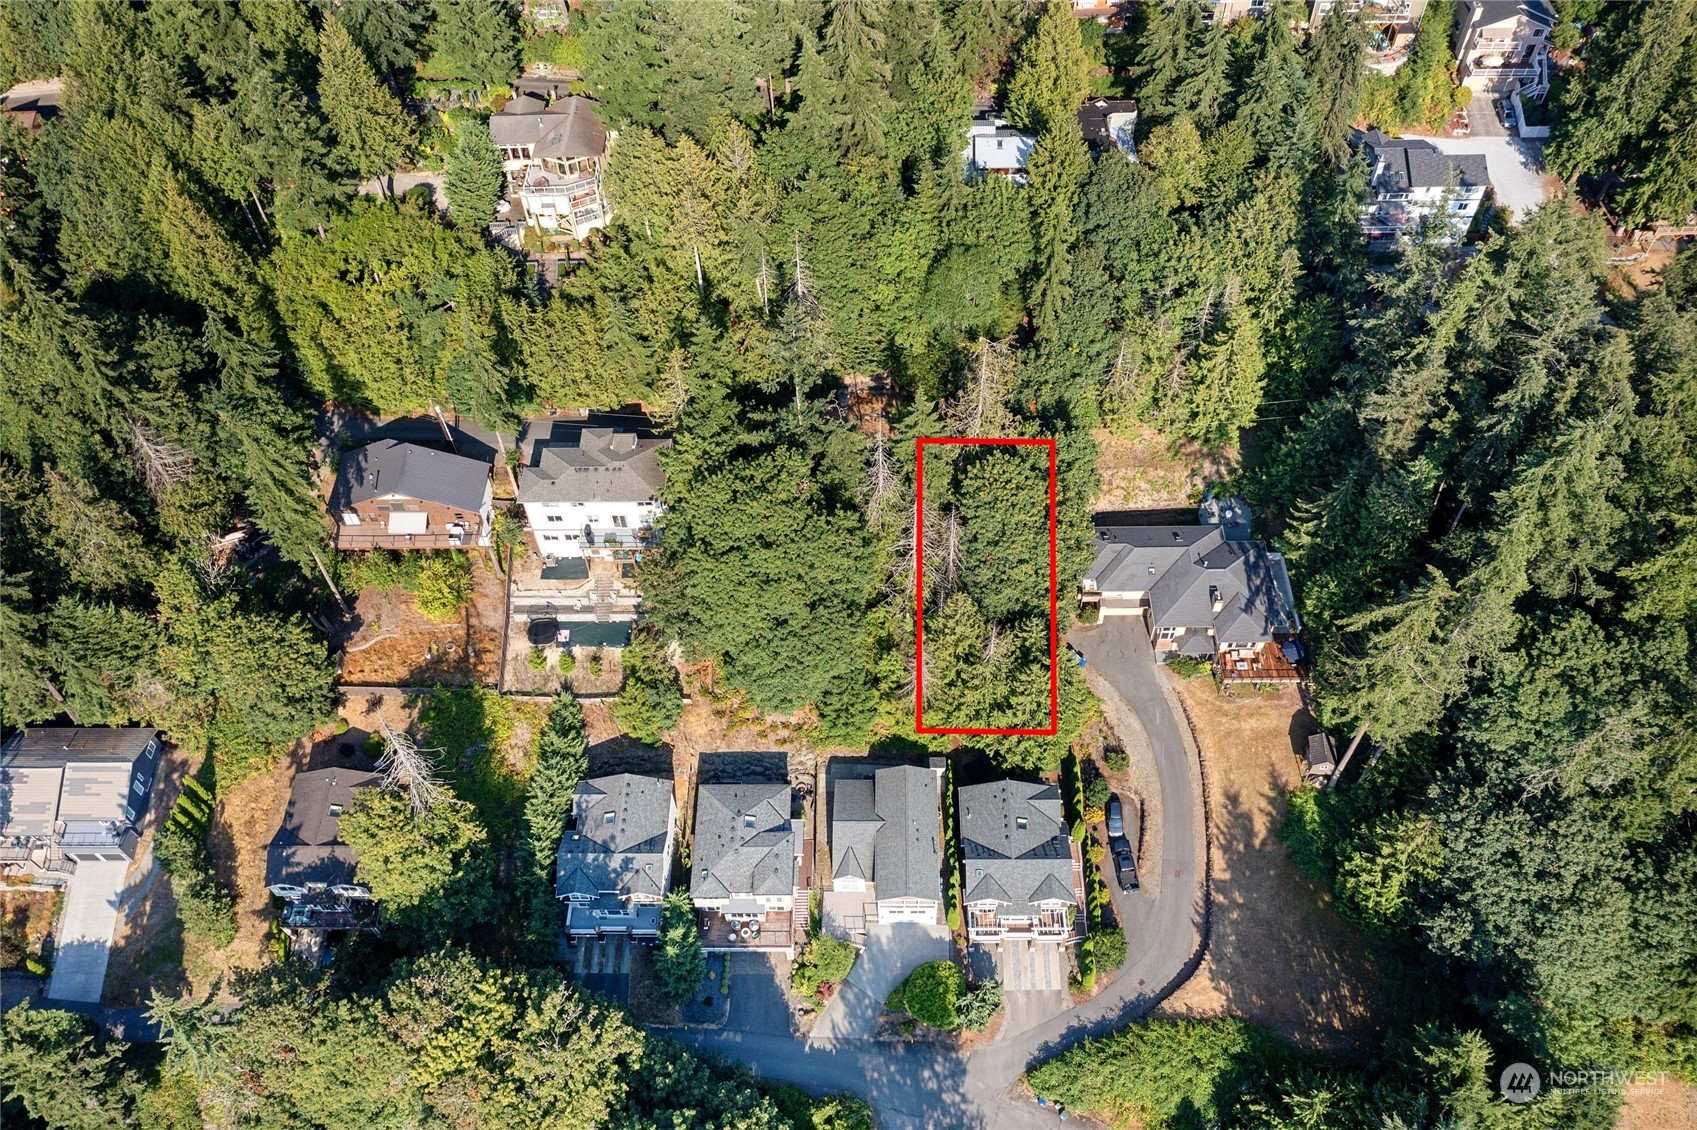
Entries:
{"x":352,"y":539}
{"x":1266,"y":665}
{"x":774,"y":931}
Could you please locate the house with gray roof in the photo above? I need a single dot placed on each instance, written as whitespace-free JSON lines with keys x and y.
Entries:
{"x":1024,"y":875}
{"x":746,"y":865}
{"x":553,"y":153}
{"x":594,"y":492}
{"x":312,"y":870}
{"x":393,"y":495}
{"x":885,"y":842}
{"x":73,"y":794}
{"x":1207,"y":591}
{"x":615,"y":860}
{"x":1413,"y":180}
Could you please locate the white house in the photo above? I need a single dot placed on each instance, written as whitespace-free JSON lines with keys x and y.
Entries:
{"x":594,"y":493}
{"x":1413,"y":179}
{"x":1504,"y":45}
{"x":993,"y":146}
{"x":553,"y":153}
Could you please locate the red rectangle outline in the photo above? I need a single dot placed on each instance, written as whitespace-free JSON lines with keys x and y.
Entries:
{"x":919,"y":725}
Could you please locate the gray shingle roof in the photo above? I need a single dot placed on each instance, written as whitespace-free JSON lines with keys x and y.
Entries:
{"x":406,"y":470}
{"x":885,"y":831}
{"x":566,"y":129}
{"x":1186,"y":570}
{"x":308,"y":848}
{"x":626,"y":853}
{"x":854,"y":830}
{"x":603,"y":465}
{"x":1501,"y":11}
{"x":1015,"y":843}
{"x":81,"y":777}
{"x":744,"y":844}
{"x":906,"y":859}
{"x":1412,"y":163}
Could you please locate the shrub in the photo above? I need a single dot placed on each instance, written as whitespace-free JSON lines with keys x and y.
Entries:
{"x":1089,"y":614}
{"x":931,"y":993}
{"x":37,"y":966}
{"x":1163,"y":1073}
{"x":1107,"y":948}
{"x":679,"y":962}
{"x":568,"y":662}
{"x":825,"y":961}
{"x":444,"y":585}
{"x":1097,"y":793}
{"x":1186,"y":667}
{"x":1117,"y":760}
{"x":976,"y":1009}
{"x":537,"y":660}
{"x":206,"y":911}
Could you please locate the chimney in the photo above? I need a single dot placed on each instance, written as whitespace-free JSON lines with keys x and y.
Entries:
{"x":1216,"y":598}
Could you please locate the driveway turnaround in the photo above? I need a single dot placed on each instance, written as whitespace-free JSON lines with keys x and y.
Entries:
{"x":891,"y":953}
{"x":84,"y":940}
{"x":920,"y":1088}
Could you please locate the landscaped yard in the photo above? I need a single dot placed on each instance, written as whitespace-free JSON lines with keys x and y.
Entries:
{"x":1278,"y":954}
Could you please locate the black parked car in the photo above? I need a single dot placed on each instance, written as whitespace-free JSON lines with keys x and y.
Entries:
{"x":1125,"y":866}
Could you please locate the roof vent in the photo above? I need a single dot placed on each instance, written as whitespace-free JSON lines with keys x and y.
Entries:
{"x":1178,"y":535}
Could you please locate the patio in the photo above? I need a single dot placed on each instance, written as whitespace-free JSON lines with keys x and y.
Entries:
{"x":769,"y":931}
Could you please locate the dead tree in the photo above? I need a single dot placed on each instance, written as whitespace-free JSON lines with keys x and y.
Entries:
{"x":882,"y":485}
{"x":162,"y":464}
{"x":981,"y":408}
{"x":406,"y":768}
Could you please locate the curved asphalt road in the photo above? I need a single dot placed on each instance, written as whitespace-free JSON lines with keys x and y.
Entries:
{"x":918,"y":1088}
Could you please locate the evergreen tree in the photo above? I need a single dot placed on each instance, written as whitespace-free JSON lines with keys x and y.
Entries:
{"x":372,"y":133}
{"x":1335,"y":61}
{"x":474,"y":179}
{"x":58,"y":1071}
{"x":844,"y":86}
{"x":623,"y":63}
{"x":388,"y":31}
{"x":475,"y":41}
{"x":1164,"y":59}
{"x":1052,"y":74}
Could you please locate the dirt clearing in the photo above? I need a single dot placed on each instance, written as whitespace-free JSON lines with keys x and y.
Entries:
{"x":1278,"y":954}
{"x":393,"y":644}
{"x":1143,"y":470}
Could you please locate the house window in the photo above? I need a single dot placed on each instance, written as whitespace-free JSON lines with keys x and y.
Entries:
{"x":619,"y":521}
{"x":129,"y":813}
{"x":1168,"y":633}
{"x":336,"y":810}
{"x":138,"y":786}
{"x":1021,"y":823}
{"x":556,"y":518}
{"x":609,"y":818}
{"x":350,"y":518}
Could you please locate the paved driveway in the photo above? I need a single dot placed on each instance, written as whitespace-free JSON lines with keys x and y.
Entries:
{"x":891,"y":953}
{"x":1033,"y":977}
{"x":83,"y":943}
{"x":759,"y":1000}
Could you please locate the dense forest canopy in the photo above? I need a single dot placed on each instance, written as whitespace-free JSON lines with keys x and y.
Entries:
{"x":1480,"y":466}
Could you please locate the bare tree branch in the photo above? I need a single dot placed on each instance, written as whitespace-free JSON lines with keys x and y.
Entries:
{"x":406,"y":768}
{"x":162,"y":463}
